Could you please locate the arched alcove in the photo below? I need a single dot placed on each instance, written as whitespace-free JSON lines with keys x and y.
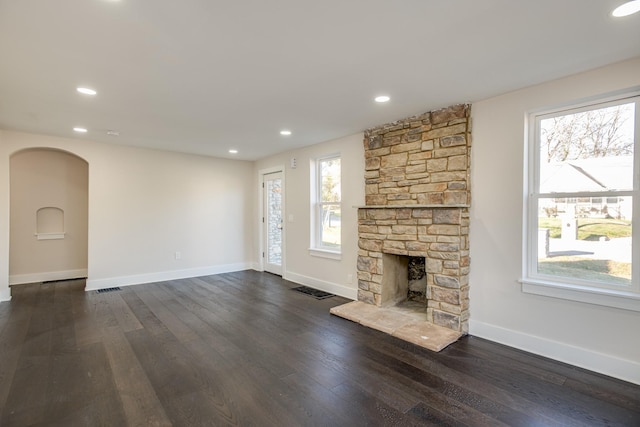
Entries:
{"x":48,"y":237}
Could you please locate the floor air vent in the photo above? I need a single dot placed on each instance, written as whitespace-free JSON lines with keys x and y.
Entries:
{"x":102,"y":291}
{"x":317,"y":294}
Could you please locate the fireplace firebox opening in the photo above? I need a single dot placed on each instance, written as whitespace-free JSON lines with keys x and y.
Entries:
{"x":404,"y":279}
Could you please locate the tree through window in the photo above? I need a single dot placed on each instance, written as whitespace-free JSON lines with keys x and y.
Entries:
{"x":328,"y":213}
{"x":583,"y":187}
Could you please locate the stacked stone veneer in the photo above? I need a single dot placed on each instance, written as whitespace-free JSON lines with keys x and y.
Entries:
{"x":417,"y":204}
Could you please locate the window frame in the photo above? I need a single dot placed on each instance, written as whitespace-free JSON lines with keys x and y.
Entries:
{"x":316,"y":247}
{"x":620,"y":296}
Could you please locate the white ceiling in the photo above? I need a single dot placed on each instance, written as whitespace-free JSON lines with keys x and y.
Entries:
{"x":204,"y":76}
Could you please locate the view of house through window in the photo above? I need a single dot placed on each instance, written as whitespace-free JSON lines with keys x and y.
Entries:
{"x":328,"y":208}
{"x":581,"y":201}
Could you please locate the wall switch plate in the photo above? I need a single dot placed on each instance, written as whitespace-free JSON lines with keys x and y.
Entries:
{"x":178,"y":255}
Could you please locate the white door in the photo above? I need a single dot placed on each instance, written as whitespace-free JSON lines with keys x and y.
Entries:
{"x":272,"y":222}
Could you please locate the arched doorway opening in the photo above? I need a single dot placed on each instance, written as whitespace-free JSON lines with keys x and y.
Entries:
{"x":49,"y":207}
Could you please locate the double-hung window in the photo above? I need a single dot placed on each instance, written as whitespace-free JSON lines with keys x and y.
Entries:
{"x":583,"y":214}
{"x":327,"y":212}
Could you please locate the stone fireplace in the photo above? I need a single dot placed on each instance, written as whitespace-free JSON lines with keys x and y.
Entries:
{"x":416,"y":218}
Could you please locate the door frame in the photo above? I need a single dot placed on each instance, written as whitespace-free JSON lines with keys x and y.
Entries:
{"x":261,"y":214}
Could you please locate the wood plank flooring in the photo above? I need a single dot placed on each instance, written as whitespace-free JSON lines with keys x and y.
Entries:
{"x":244,"y":349}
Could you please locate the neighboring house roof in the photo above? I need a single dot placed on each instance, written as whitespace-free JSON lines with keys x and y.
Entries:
{"x":594,"y":174}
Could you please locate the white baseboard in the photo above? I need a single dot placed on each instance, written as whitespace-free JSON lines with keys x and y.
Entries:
{"x":333,"y":288}
{"x":623,"y":369}
{"x":20,"y":279}
{"x":139,"y":279}
{"x":5,"y":295}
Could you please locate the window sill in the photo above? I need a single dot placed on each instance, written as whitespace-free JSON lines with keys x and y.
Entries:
{"x":610,"y":298}
{"x":324,"y":253}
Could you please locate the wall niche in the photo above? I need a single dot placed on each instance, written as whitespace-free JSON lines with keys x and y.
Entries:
{"x":49,"y":223}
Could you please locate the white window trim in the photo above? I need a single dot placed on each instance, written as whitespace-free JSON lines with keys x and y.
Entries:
{"x":627,"y":298}
{"x":316,"y":248}
{"x":323,"y":253}
{"x":597,"y":296}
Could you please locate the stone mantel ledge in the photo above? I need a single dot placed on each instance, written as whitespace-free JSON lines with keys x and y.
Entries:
{"x":439,"y":206}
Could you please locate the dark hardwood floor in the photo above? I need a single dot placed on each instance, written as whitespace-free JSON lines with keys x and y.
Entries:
{"x":244,"y":349}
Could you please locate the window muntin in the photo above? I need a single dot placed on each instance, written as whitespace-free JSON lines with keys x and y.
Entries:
{"x":583,"y":188}
{"x":328,"y":212}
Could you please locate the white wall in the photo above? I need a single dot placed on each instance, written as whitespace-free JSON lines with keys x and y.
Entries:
{"x":599,"y":338}
{"x":301,"y":267}
{"x":44,"y":178}
{"x":145,"y":205}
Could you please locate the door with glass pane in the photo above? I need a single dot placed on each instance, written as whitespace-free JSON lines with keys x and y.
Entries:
{"x":272,"y":222}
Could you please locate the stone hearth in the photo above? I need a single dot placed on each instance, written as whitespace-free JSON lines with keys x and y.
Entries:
{"x":400,"y":322}
{"x":417,"y":205}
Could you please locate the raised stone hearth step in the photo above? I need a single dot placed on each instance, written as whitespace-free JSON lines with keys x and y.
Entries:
{"x":398,"y":323}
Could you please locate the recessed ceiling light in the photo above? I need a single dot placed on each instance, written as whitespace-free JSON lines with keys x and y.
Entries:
{"x":80,"y":130}
{"x":86,"y":91}
{"x":233,"y":151}
{"x":113,"y":133}
{"x":626,"y":9}
{"x":382,"y":98}
{"x":285,"y":132}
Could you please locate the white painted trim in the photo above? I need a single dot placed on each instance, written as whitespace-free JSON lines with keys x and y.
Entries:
{"x":572,"y":288}
{"x":333,"y":288}
{"x":324,"y":253}
{"x":317,"y":248}
{"x":5,"y":295}
{"x":261,"y":174}
{"x":138,"y":279}
{"x":605,"y":297}
{"x":20,"y":279}
{"x":626,"y":370}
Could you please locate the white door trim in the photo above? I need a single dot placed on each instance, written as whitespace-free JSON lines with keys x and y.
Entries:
{"x":261,"y":245}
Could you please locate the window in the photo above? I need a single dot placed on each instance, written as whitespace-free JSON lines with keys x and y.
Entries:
{"x":327,"y":207}
{"x":583,"y":191}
